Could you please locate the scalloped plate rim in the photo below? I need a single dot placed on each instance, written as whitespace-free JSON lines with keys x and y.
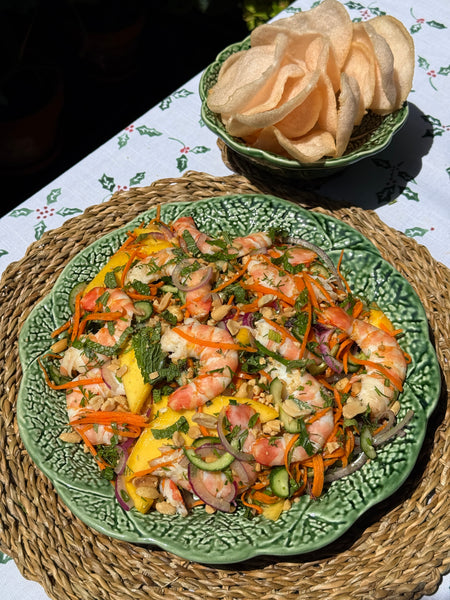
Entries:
{"x":246,"y":553}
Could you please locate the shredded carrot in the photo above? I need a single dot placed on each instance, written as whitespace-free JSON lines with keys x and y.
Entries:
{"x":284,"y":332}
{"x":103,"y":316}
{"x":63,"y":327}
{"x":127,"y":266}
{"x":76,"y":316}
{"x":357,"y":309}
{"x":167,"y":463}
{"x":287,"y":451}
{"x":313,"y":281}
{"x":383,"y":370}
{"x":109,"y":416}
{"x":257,"y":287}
{"x":211,"y":344}
{"x":338,"y":268}
{"x":101,"y":463}
{"x":255,"y":507}
{"x":319,"y":475}
{"x":70,"y":385}
{"x":229,"y":281}
{"x":265,"y":498}
{"x":318,"y":415}
{"x":308,"y":329}
{"x":312,"y":296}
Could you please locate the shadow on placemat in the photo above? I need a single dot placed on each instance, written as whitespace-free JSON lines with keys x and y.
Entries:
{"x":397,"y":551}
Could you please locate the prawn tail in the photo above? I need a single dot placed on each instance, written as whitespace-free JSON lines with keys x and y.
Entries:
{"x":338,"y":317}
{"x":185,"y":398}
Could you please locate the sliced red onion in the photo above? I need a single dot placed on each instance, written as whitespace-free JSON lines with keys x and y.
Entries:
{"x":323,"y":333}
{"x":166,"y":231}
{"x":386,"y":435}
{"x":323,"y":255}
{"x":199,"y":488}
{"x":176,"y":277}
{"x":123,"y":498}
{"x":124,"y":452}
{"x":348,"y":470}
{"x":111,"y":381}
{"x":334,"y":364}
{"x":225,"y":443}
{"x":244,"y":473}
{"x":247,"y":319}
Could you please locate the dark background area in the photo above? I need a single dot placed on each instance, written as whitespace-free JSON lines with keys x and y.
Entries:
{"x":87,"y":69}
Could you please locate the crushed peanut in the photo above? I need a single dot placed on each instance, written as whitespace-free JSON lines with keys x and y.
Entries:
{"x":72,"y":437}
{"x":60,"y":345}
{"x":165,"y":508}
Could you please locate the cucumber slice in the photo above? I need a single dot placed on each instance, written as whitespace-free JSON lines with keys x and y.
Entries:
{"x":144,"y":310}
{"x":220,"y":464}
{"x":77,"y":288}
{"x":290,"y":424}
{"x":279,"y":482}
{"x":206,"y":439}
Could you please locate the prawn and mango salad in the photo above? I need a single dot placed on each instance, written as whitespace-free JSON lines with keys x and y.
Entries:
{"x":224,"y":372}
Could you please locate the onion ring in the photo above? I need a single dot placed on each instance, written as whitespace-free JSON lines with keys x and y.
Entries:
{"x":176,"y":277}
{"x":323,"y":255}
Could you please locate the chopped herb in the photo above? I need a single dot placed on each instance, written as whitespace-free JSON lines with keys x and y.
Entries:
{"x":181,"y":425}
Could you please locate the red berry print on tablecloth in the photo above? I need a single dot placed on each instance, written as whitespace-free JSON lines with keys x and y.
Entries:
{"x":419,"y":23}
{"x":45,"y":213}
{"x":124,"y":137}
{"x":182,"y":161}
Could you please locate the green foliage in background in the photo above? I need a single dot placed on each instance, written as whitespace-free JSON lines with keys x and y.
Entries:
{"x":256,"y":12}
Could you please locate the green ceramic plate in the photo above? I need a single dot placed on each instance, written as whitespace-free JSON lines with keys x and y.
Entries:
{"x":371,"y":137}
{"x":225,"y":538}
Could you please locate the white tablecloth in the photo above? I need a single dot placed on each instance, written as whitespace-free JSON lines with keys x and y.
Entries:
{"x":407,"y":185}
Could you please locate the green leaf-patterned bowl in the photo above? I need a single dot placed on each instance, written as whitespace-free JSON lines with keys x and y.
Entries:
{"x":371,"y":137}
{"x":227,"y":538}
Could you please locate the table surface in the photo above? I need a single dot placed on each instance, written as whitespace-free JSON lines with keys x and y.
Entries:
{"x":407,"y":185}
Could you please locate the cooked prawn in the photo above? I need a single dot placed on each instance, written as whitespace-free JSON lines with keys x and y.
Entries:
{"x":254,"y":241}
{"x":216,"y":365}
{"x":183,"y":224}
{"x":75,"y":360}
{"x":296,"y":255}
{"x":271,"y":452}
{"x":269,"y":276}
{"x":173,"y":496}
{"x":383,"y":353}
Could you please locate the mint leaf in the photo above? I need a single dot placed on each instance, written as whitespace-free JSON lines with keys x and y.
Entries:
{"x":181,"y":425}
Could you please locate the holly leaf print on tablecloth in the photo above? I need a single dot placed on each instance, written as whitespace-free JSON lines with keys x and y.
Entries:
{"x":432,"y":73}
{"x":144,"y":130}
{"x":182,"y":161}
{"x":107,"y":183}
{"x":137,"y":178}
{"x":53,"y":196}
{"x":21,"y":212}
{"x":420,"y":22}
{"x":68,"y":212}
{"x":4,"y":558}
{"x":416,"y":232}
{"x":182,"y":93}
{"x":437,"y":128}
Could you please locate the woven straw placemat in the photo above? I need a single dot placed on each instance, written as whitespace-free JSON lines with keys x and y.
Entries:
{"x":398,"y":550}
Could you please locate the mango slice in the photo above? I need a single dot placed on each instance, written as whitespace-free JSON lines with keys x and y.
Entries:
{"x":136,"y":389}
{"x":162,"y":417}
{"x":147,"y":246}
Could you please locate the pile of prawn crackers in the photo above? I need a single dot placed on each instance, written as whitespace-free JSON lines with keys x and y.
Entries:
{"x":307,"y":80}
